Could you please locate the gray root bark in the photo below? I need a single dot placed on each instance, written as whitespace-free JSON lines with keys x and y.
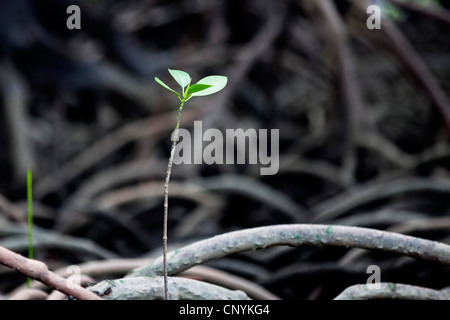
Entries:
{"x":152,"y":288}
{"x":391,"y":291}
{"x":296,"y":235}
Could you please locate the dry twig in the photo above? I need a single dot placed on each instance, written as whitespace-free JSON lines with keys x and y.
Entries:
{"x":39,"y":271}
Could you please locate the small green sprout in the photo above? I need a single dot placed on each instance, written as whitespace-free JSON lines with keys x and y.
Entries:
{"x":204,"y":87}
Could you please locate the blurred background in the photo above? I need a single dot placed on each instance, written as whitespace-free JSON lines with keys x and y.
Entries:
{"x":364,"y":118}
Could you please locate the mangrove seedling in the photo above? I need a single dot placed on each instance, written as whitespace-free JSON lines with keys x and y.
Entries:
{"x":204,"y":87}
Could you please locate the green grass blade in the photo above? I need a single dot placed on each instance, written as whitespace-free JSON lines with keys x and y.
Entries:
{"x":30,"y":218}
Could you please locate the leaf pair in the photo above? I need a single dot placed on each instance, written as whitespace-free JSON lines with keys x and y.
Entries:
{"x":204,"y":87}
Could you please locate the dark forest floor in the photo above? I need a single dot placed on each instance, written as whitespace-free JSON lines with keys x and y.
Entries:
{"x":363,"y":119}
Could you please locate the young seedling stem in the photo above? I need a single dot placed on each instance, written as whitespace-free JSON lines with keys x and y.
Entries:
{"x":166,"y":197}
{"x":204,"y":87}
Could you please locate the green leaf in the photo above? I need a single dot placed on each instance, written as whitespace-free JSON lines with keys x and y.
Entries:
{"x":197,"y":88}
{"x":166,"y":86}
{"x":217,"y":83}
{"x":183,"y":78}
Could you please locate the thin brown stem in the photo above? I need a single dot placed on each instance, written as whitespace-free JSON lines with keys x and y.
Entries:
{"x":166,"y":200}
